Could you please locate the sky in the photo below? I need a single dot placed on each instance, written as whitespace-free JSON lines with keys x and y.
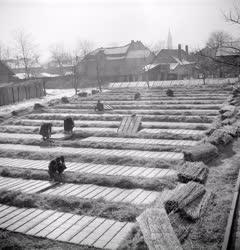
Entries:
{"x":114,"y":22}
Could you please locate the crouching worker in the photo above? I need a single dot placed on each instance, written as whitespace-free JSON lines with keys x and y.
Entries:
{"x":60,"y":166}
{"x":68,"y":125}
{"x":99,"y":106}
{"x":52,"y":169}
{"x":137,"y":96}
{"x":46,"y":131}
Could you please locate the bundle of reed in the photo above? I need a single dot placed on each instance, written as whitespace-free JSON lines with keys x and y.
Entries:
{"x":201,"y":152}
{"x":185,"y":195}
{"x":193,"y":171}
{"x":195,"y":209}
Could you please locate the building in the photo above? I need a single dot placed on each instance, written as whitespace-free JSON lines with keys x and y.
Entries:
{"x":124,"y":63}
{"x":172,"y":64}
{"x":17,"y":65}
{"x":6,"y":74}
{"x":229,"y":58}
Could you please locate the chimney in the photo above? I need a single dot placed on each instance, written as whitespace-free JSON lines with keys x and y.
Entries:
{"x":179,"y":52}
{"x":186,"y":49}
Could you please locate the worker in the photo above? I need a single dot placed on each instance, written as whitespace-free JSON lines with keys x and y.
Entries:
{"x":46,"y":131}
{"x":68,"y":125}
{"x":137,"y":96}
{"x":52,"y":169}
{"x":99,"y":106}
{"x":60,"y":167}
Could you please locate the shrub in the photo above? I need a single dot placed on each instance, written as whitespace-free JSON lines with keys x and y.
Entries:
{"x":37,"y":106}
{"x":5,"y":172}
{"x":83,"y":94}
{"x":64,"y":99}
{"x":95,"y":91}
{"x":14,"y":113}
{"x":169,"y":92}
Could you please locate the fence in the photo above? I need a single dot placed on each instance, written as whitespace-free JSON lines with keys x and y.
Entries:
{"x":16,"y":92}
{"x":174,"y":83}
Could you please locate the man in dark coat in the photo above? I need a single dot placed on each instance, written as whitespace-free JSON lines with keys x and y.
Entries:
{"x":99,"y":106}
{"x":46,"y":130}
{"x":68,"y":125}
{"x":60,"y":166}
{"x":52,"y":169}
{"x":137,"y":96}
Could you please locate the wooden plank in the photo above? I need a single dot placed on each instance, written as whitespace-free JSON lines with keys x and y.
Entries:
{"x":97,"y":233}
{"x":87,"y":230}
{"x":109,"y":234}
{"x":122,"y":124}
{"x":76,"y":228}
{"x":21,"y":215}
{"x":137,"y":125}
{"x":157,"y":230}
{"x":24,"y":220}
{"x":54,"y":225}
{"x":10,"y":216}
{"x":115,"y":242}
{"x":42,"y":222}
{"x":64,"y":227}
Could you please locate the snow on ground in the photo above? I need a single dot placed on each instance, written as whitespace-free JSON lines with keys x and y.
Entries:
{"x":51,"y":94}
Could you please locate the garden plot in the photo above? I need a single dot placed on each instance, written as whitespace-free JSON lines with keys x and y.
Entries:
{"x":115,"y":124}
{"x":141,"y":106}
{"x":86,"y":191}
{"x":100,"y":169}
{"x":140,"y":141}
{"x":137,"y":154}
{"x":173,"y":131}
{"x":36,"y":137}
{"x":134,"y":182}
{"x":165,"y":111}
{"x":118,"y":117}
{"x":153,"y":102}
{"x":67,"y":227}
{"x":60,"y":130}
{"x":27,"y":186}
{"x":110,"y":96}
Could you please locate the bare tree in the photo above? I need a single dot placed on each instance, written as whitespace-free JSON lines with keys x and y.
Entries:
{"x":59,"y":55}
{"x":26,"y":50}
{"x":218,"y":39}
{"x":148,"y":59}
{"x":100,"y":68}
{"x":233,"y":16}
{"x":83,"y":48}
{"x":156,"y":47}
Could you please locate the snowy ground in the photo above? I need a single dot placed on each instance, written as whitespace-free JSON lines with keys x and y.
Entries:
{"x":51,"y":94}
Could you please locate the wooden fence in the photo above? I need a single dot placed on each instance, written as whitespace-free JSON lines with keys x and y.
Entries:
{"x":16,"y":92}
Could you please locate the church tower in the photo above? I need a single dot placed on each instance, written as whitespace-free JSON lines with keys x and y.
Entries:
{"x":169,"y":40}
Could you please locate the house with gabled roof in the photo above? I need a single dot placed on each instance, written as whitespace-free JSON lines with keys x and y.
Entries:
{"x":6,"y":74}
{"x":123,"y":63}
{"x":171,"y":64}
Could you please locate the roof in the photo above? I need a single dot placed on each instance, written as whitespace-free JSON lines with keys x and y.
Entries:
{"x":138,"y":53}
{"x":171,"y":57}
{"x":229,"y":49}
{"x":19,"y":64}
{"x":112,"y":50}
{"x":4,"y":66}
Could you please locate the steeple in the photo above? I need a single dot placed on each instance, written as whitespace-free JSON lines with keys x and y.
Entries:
{"x":169,"y":40}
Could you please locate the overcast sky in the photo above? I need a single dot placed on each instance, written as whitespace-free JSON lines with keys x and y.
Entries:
{"x":110,"y":22}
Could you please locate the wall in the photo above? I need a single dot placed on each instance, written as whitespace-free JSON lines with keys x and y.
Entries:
{"x":16,"y":92}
